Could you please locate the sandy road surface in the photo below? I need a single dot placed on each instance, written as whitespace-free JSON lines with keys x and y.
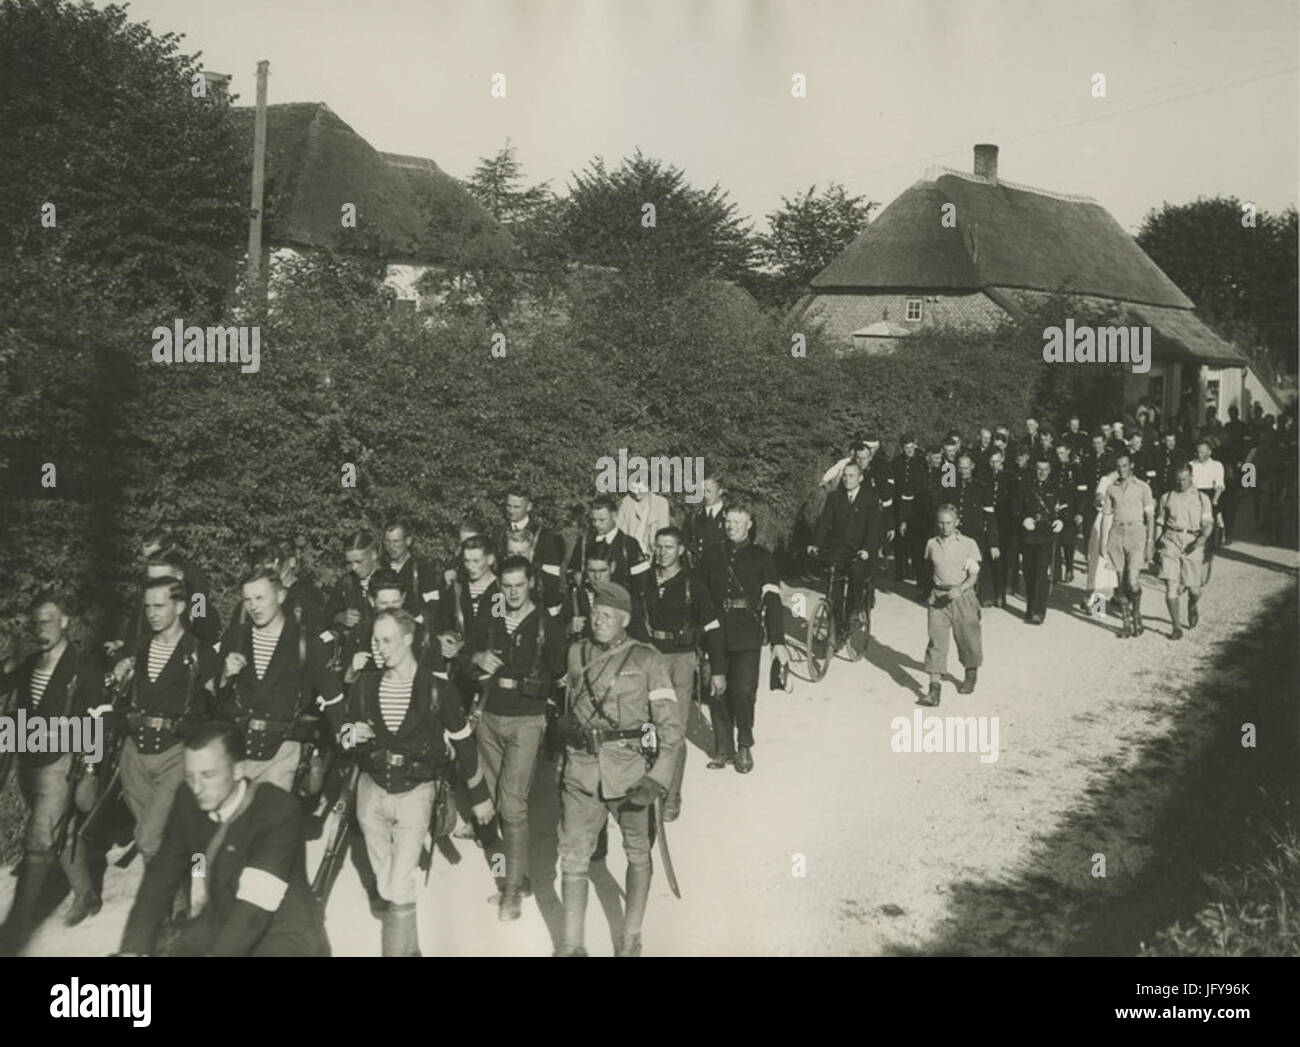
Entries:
{"x":889,"y":843}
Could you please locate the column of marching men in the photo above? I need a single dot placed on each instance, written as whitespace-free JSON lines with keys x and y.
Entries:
{"x":414,"y":691}
{"x":406,"y":689}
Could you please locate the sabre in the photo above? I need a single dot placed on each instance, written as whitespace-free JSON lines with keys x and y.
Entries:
{"x":664,"y":856}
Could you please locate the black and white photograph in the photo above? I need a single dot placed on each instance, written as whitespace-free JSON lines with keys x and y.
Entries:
{"x":597,"y":478}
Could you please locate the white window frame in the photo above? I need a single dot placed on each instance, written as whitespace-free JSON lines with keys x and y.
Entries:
{"x":920,"y":310}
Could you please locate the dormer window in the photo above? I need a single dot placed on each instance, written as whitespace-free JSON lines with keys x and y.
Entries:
{"x":913,"y":314}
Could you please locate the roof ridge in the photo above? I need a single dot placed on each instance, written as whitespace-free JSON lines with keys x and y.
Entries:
{"x":932,"y":174}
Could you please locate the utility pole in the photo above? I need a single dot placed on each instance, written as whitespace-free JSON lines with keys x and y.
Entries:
{"x":255,"y":282}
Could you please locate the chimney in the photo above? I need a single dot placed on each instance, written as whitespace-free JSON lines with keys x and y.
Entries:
{"x":986,"y":162}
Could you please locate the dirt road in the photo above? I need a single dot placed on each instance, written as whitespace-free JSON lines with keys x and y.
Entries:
{"x":836,"y":844}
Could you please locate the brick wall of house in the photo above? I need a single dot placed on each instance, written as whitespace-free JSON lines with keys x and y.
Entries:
{"x":842,"y":314}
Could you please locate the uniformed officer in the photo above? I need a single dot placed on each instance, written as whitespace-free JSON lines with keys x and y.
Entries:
{"x":744,"y":585}
{"x":1075,"y":439}
{"x":518,"y":653}
{"x":1039,"y":505}
{"x":1002,"y":489}
{"x":250,"y":896}
{"x":1067,"y":478}
{"x":909,"y":482}
{"x":1131,"y":526}
{"x":272,"y":673}
{"x":401,"y":720}
{"x":705,"y":524}
{"x":58,"y":679}
{"x":981,"y":451}
{"x":172,"y":680}
{"x":420,"y":578}
{"x":679,"y":617}
{"x":1143,"y":460}
{"x":622,"y":733}
{"x":623,"y":552}
{"x":347,"y":610}
{"x":547,"y":553}
{"x":1169,"y":458}
{"x":1184,"y":524}
{"x":977,"y":511}
{"x":952,"y":605}
{"x":547,"y":580}
{"x":849,"y":529}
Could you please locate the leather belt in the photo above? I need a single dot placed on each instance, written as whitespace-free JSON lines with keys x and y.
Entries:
{"x":611,"y":735}
{"x":1129,"y":523}
{"x":506,"y":683}
{"x":663,"y":634}
{"x":735,"y":605}
{"x":393,"y":759}
{"x":157,"y":723}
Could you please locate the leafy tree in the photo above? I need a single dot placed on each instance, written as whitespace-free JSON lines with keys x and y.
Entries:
{"x":806,"y":234}
{"x":696,"y":232}
{"x":1242,"y":278}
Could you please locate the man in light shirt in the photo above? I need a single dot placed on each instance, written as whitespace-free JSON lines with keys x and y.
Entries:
{"x":641,"y":514}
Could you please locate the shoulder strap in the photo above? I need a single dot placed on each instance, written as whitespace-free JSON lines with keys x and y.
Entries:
{"x":457,"y":593}
{"x":193,"y":662}
{"x":541,"y":639}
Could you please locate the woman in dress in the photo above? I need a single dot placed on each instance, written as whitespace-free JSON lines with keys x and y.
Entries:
{"x":1101,"y":576}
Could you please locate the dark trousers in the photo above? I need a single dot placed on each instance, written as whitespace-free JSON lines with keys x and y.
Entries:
{"x":851,"y":574}
{"x":1038,"y":562}
{"x":1064,"y":545}
{"x":1003,"y":571}
{"x":733,"y":713}
{"x":905,"y":553}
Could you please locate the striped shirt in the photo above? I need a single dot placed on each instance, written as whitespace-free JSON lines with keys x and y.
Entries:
{"x":511,"y":624}
{"x":394,"y":699}
{"x":477,"y":589}
{"x":263,"y":648}
{"x":40,"y":680}
{"x":160,"y":652}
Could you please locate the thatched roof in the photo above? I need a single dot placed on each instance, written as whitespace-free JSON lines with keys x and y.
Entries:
{"x":1005,"y":236}
{"x":408,"y":209}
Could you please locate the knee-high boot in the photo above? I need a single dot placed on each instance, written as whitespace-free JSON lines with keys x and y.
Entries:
{"x":573,"y":893}
{"x":399,"y":936}
{"x":1136,"y":600}
{"x":637,"y":886}
{"x":22,"y":915}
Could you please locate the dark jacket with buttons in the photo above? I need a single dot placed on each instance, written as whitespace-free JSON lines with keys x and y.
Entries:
{"x":746,"y":590}
{"x":75,"y":686}
{"x":182,"y":692}
{"x":259,"y":902}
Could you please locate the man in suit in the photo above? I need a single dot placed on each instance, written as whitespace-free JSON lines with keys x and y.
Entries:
{"x":252,"y":897}
{"x":849,"y":529}
{"x":1039,"y":505}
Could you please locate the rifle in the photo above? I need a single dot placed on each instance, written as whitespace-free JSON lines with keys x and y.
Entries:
{"x":112,"y":757}
{"x":332,"y":860}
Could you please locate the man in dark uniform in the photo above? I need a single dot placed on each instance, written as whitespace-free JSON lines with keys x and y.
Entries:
{"x":202,"y":618}
{"x":705,"y":524}
{"x":547,"y":581}
{"x":172,"y":681}
{"x":420,"y":578}
{"x":1002,"y":489}
{"x":977,"y":511}
{"x":909,"y":482}
{"x":1039,"y":504}
{"x":272,"y":673}
{"x":518,"y":657}
{"x":460,"y":606}
{"x":622,"y":550}
{"x":849,"y":530}
{"x":250,"y":895}
{"x":161,"y":547}
{"x":1075,"y":439}
{"x":622,"y":733}
{"x":57,"y":679}
{"x":1169,"y":458}
{"x":1118,"y":443}
{"x":744,"y":585}
{"x":679,"y":617}
{"x":547,"y":554}
{"x":401,"y":721}
{"x":302,"y":598}
{"x":929,"y":496}
{"x":1066,"y":475}
{"x":582,"y":592}
{"x":347,"y":611}
{"x":1145,"y":466}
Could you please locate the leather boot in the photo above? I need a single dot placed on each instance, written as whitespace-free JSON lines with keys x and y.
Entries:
{"x":968,"y":684}
{"x":573,"y":893}
{"x":1137,"y":613}
{"x":84,"y":906}
{"x":399,"y":936}
{"x":515,"y":841}
{"x":637,"y":887}
{"x":1192,"y":616}
{"x":1126,"y":628}
{"x":22,"y":920}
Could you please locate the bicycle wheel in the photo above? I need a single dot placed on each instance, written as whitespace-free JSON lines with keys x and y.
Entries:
{"x":821,"y":641}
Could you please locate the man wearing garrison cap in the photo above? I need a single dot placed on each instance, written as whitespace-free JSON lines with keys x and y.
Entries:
{"x":621,"y":733}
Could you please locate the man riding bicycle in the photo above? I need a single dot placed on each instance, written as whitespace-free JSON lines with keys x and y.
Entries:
{"x":849,"y":530}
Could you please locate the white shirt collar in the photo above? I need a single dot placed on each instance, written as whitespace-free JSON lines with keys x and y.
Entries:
{"x":609,"y":535}
{"x":227,"y":810}
{"x":522,"y":525}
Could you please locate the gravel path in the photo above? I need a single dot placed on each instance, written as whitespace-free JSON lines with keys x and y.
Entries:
{"x":891,"y":845}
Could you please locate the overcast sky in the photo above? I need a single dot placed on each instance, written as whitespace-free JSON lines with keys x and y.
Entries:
{"x":1201,"y":95}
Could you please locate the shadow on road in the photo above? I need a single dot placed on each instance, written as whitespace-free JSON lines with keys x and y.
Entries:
{"x":1193,"y":800}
